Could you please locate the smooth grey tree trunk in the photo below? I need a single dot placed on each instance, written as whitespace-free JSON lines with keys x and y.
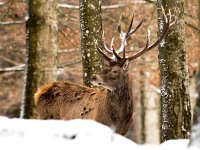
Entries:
{"x":175,"y":101}
{"x":91,"y":30}
{"x":41,"y":51}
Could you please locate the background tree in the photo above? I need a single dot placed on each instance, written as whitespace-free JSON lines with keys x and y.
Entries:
{"x":91,"y":30}
{"x":197,"y":109}
{"x":41,"y":50}
{"x":175,"y":100}
{"x":195,"y":133}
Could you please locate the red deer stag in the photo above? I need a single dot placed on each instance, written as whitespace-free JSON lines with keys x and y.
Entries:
{"x":110,"y":105}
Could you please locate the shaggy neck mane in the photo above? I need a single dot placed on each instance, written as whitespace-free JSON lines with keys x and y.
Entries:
{"x":119,"y":100}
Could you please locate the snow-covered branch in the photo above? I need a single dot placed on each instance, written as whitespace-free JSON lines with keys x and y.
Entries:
{"x":11,"y":23}
{"x":11,"y":69}
{"x":103,"y":7}
{"x":22,"y":66}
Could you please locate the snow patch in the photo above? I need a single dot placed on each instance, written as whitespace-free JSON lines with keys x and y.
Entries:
{"x":88,"y":55}
{"x":91,"y":6}
{"x":87,"y":31}
{"x":74,"y":134}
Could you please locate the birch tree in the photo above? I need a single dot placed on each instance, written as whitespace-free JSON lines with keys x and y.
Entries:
{"x":91,"y":31}
{"x":175,"y":101}
{"x":41,"y":50}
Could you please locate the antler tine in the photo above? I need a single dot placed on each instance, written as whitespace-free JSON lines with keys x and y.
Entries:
{"x":130,"y":26}
{"x":105,"y":47}
{"x":137,"y":27}
{"x":166,"y":25}
{"x":125,"y":36}
{"x":112,"y":42}
{"x":102,"y":53}
{"x":115,"y":54}
{"x":145,"y":49}
{"x":175,"y":19}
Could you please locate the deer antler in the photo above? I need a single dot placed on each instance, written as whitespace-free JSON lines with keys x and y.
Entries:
{"x":167,"y":24}
{"x":124,"y":36}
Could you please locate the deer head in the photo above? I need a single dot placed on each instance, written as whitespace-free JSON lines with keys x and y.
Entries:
{"x":117,"y":65}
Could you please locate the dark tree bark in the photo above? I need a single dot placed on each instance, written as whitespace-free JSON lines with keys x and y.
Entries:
{"x":195,"y":133}
{"x":41,"y":51}
{"x":91,"y":30}
{"x":175,"y":101}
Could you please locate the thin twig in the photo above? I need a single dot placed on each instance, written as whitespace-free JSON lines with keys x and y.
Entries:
{"x":67,"y":26}
{"x":9,"y":7}
{"x":70,"y":63}
{"x":8,"y":60}
{"x":66,"y":36}
{"x":190,"y":15}
{"x":193,"y":27}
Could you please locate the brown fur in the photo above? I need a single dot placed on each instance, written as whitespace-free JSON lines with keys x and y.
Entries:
{"x":65,"y":100}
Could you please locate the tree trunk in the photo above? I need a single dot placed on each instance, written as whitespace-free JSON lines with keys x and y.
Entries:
{"x":175,"y":101}
{"x":197,"y":107}
{"x":41,"y":51}
{"x":91,"y":30}
{"x":195,"y":133}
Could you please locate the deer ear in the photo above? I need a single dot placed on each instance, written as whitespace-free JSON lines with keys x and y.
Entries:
{"x":126,"y":65}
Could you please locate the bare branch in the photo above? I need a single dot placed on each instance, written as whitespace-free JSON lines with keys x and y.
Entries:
{"x":69,"y":50}
{"x":68,"y":6}
{"x":193,"y":27}
{"x":191,"y":16}
{"x":11,"y":23}
{"x":63,"y":33}
{"x":11,"y":69}
{"x":10,"y":61}
{"x":10,"y":3}
{"x":70,"y":63}
{"x":22,"y":66}
{"x":103,"y":7}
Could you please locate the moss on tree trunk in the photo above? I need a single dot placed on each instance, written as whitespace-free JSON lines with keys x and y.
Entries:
{"x":91,"y":30}
{"x":175,"y":101}
{"x":41,"y":52}
{"x":194,"y":138}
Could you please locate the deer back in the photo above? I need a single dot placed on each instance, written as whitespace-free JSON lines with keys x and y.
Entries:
{"x":66,"y":100}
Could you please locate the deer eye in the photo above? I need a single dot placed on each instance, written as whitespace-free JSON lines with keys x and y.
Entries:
{"x":105,"y":71}
{"x":115,"y":72}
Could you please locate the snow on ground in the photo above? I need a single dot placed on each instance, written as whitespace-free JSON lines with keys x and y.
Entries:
{"x":77,"y":134}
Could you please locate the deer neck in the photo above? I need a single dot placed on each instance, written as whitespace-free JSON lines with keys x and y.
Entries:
{"x":119,"y":100}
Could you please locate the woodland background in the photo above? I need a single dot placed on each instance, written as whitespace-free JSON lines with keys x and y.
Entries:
{"x":144,"y":70}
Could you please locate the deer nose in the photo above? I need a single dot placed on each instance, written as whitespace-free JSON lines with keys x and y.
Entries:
{"x":93,"y":78}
